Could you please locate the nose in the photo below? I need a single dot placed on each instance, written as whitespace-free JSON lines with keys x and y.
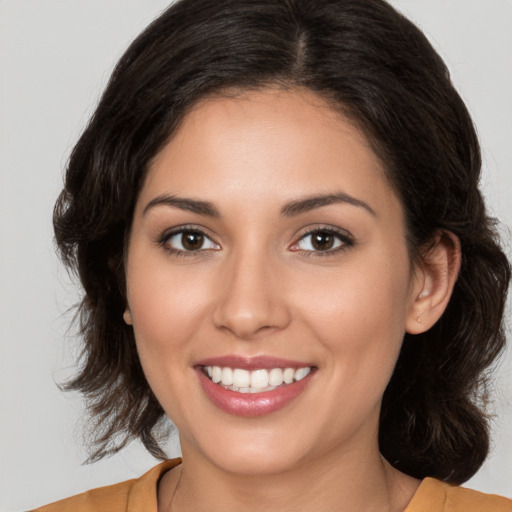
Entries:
{"x":251,"y":298}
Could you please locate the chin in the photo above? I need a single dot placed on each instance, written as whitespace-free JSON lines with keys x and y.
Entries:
{"x":254,"y":451}
{"x":251,"y":462}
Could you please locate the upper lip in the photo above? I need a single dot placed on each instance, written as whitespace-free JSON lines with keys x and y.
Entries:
{"x":251,"y":362}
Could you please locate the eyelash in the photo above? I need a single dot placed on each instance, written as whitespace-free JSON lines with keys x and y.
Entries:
{"x":342,"y":236}
{"x":168,"y":235}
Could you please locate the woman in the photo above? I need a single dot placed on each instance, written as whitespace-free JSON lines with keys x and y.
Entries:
{"x":275,"y":216}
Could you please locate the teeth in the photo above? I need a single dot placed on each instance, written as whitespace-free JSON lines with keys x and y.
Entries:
{"x":288,"y":375}
{"x":259,"y":379}
{"x":227,"y":376}
{"x":301,"y":373}
{"x":216,"y":374}
{"x":241,"y":378}
{"x":275,"y":377}
{"x":243,"y":381}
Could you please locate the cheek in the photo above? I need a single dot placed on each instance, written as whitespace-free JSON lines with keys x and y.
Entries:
{"x":358,"y":313}
{"x":166,"y":306}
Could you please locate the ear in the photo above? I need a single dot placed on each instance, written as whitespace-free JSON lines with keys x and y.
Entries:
{"x":435,"y":277}
{"x":127,"y":316}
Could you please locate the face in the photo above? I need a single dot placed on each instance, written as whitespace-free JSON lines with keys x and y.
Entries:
{"x":268,"y":252}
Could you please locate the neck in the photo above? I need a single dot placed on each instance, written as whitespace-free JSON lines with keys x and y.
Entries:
{"x":362,"y":482}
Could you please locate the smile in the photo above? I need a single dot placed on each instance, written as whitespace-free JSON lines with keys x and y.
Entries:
{"x":255,"y":386}
{"x":255,"y":381}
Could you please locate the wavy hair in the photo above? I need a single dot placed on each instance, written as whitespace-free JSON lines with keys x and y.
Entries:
{"x":376,"y":67}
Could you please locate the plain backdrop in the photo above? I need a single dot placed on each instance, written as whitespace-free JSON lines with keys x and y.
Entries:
{"x":55,"y":58}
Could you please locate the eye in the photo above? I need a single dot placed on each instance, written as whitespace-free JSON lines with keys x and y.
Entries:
{"x":188,"y":240}
{"x":322,"y":240}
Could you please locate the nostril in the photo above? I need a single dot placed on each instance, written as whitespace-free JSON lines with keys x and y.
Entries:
{"x":250,"y":302}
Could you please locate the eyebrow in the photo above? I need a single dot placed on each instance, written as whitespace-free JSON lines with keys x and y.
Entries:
{"x":289,"y":210}
{"x":310,"y":203}
{"x":191,"y":205}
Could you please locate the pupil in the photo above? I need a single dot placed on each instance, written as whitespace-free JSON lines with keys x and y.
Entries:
{"x":192,"y":240}
{"x":323,"y":241}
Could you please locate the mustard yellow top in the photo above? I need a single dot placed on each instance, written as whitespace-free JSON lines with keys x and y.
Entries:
{"x":140,"y":495}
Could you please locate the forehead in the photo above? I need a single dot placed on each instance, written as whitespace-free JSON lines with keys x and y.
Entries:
{"x":270,"y":144}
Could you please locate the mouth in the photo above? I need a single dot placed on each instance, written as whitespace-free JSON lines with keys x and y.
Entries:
{"x":260,"y":380}
{"x":256,"y":386}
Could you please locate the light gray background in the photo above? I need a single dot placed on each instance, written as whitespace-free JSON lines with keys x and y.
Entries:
{"x":55,"y":58}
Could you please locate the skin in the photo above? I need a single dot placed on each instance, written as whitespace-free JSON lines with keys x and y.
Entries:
{"x":258,"y":287}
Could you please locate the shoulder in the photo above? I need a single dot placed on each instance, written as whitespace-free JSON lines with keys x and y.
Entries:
{"x":436,"y":496}
{"x":117,"y":497}
{"x":112,"y":498}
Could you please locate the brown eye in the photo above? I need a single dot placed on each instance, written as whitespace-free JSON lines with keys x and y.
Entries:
{"x":322,"y":241}
{"x":192,"y":240}
{"x":189,"y":240}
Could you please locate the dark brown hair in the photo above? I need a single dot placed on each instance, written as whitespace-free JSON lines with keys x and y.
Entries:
{"x":376,"y":67}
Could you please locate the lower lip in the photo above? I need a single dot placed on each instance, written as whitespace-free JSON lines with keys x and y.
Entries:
{"x":252,"y":404}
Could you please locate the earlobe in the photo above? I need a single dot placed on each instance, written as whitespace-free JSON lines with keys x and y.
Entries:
{"x":436,"y":276}
{"x":127,"y":316}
